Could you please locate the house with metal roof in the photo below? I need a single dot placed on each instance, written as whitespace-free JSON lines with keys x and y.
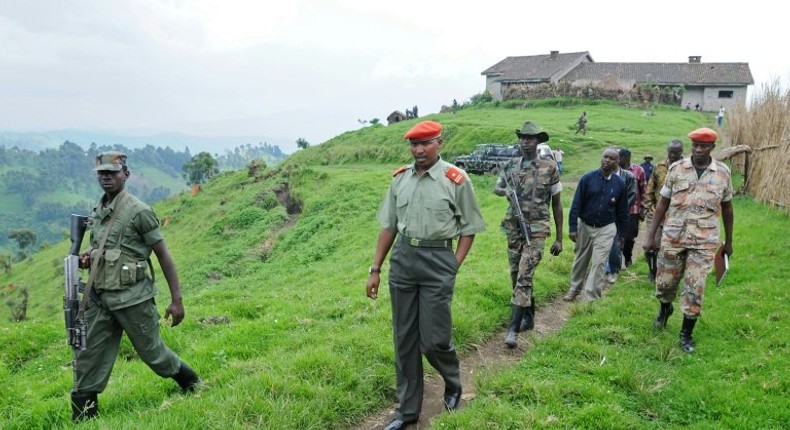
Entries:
{"x":709,"y":85}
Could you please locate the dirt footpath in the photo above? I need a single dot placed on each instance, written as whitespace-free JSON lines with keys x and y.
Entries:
{"x":492,"y":355}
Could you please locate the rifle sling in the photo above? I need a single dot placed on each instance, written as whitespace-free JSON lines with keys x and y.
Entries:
{"x":95,"y":263}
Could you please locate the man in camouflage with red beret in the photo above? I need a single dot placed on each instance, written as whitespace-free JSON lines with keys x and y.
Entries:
{"x":428,"y":204}
{"x":697,"y":190}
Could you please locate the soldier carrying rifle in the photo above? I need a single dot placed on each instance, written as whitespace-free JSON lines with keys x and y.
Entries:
{"x":119,"y":294}
{"x":530,"y":183}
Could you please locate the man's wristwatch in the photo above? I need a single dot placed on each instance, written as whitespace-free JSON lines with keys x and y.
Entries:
{"x":374,"y":269}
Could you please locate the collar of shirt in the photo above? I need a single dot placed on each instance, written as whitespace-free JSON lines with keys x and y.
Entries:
{"x":604,"y":176}
{"x":524,"y":162}
{"x":686,"y":162}
{"x":434,"y":172}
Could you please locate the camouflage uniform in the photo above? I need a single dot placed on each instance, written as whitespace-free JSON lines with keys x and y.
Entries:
{"x":535,"y":181}
{"x":653,"y":194}
{"x":691,"y":231}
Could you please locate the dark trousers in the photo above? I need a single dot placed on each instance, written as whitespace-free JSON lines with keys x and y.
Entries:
{"x":421,"y":285}
{"x":630,"y":237}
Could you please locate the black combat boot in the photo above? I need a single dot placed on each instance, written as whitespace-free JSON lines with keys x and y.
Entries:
{"x":686,"y":342}
{"x":84,"y":406}
{"x":528,"y":322}
{"x":663,"y":316}
{"x":186,"y":378}
{"x":515,"y":321}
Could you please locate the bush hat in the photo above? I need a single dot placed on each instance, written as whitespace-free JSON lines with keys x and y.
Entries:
{"x":424,"y":131}
{"x":648,"y":157}
{"x":531,"y":129}
{"x":113,"y":161}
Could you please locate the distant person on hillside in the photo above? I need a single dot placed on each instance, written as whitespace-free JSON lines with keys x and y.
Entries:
{"x":652,"y":196}
{"x":558,"y":153}
{"x":429,"y":204}
{"x":581,"y":124}
{"x":636,"y":212}
{"x":688,"y":106}
{"x":121,"y":290}
{"x":720,"y":116}
{"x":696,"y":107}
{"x":536,"y":182}
{"x":697,"y":190}
{"x":598,"y":211}
{"x":647,"y":166}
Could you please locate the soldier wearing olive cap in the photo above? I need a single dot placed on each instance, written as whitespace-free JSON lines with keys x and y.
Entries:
{"x":123,"y":233}
{"x":428,"y":205}
{"x":696,"y":191}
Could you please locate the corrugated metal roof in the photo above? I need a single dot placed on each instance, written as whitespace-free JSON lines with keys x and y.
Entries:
{"x":533,"y":67}
{"x":667,"y":73}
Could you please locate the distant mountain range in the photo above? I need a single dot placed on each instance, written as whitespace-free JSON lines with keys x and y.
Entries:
{"x":215,"y":145}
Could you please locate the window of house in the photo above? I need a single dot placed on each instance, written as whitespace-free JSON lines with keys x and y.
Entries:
{"x":725,"y":94}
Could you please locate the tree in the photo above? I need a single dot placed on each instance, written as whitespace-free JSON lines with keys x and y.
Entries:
{"x":374,"y":121}
{"x":200,"y":168}
{"x":302,"y":143}
{"x":23,"y":237}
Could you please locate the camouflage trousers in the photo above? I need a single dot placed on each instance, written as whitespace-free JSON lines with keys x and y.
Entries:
{"x":523,"y":262}
{"x":691,"y":264}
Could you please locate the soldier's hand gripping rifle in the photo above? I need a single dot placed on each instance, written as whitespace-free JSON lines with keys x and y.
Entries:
{"x":76,"y":325}
{"x":513,"y":197}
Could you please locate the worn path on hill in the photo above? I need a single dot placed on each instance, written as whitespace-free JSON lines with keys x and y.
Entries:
{"x":493,"y":355}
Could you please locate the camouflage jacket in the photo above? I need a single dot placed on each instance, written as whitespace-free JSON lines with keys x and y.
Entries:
{"x":692,"y":219}
{"x":534,"y":182}
{"x":654,"y":185}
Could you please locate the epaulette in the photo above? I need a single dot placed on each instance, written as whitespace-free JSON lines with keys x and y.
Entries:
{"x":400,"y":170}
{"x":456,"y":175}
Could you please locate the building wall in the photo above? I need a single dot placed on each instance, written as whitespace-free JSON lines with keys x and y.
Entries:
{"x":692,"y":96}
{"x":711,"y":101}
{"x":493,"y":87}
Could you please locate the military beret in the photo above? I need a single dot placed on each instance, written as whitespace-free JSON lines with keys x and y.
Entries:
{"x":113,"y":161}
{"x":703,"y":135}
{"x":424,"y":131}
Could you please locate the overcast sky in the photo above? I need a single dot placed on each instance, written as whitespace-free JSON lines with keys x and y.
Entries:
{"x":312,"y":68}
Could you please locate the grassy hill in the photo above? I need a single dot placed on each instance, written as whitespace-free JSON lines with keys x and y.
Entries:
{"x":304,"y":348}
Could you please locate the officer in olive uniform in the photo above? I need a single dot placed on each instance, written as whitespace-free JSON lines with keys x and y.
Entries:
{"x":696,"y":191}
{"x":428,"y":204}
{"x":124,"y":231}
{"x":536,"y":181}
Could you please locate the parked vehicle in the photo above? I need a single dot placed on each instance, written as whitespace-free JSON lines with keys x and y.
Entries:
{"x":487,"y":157}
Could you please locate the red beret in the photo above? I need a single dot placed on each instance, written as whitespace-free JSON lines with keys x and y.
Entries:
{"x":703,"y":135}
{"x":423,"y":131}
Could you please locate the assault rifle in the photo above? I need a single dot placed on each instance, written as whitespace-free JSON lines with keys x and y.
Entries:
{"x":76,"y":325}
{"x":522,"y":222}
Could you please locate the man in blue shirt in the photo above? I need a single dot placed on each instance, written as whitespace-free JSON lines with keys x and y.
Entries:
{"x":599,"y":210}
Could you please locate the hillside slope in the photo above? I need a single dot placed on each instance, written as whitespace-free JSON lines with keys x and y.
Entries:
{"x":273,"y":265}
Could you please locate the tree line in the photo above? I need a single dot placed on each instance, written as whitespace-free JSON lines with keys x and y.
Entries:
{"x":31,"y":179}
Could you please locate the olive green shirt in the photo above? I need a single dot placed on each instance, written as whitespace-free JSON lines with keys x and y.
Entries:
{"x":123,"y":277}
{"x":431,"y":206}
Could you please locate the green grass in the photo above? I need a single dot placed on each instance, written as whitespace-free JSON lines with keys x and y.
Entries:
{"x":306,"y":349}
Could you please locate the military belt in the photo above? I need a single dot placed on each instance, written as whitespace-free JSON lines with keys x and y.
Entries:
{"x":422,"y":243}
